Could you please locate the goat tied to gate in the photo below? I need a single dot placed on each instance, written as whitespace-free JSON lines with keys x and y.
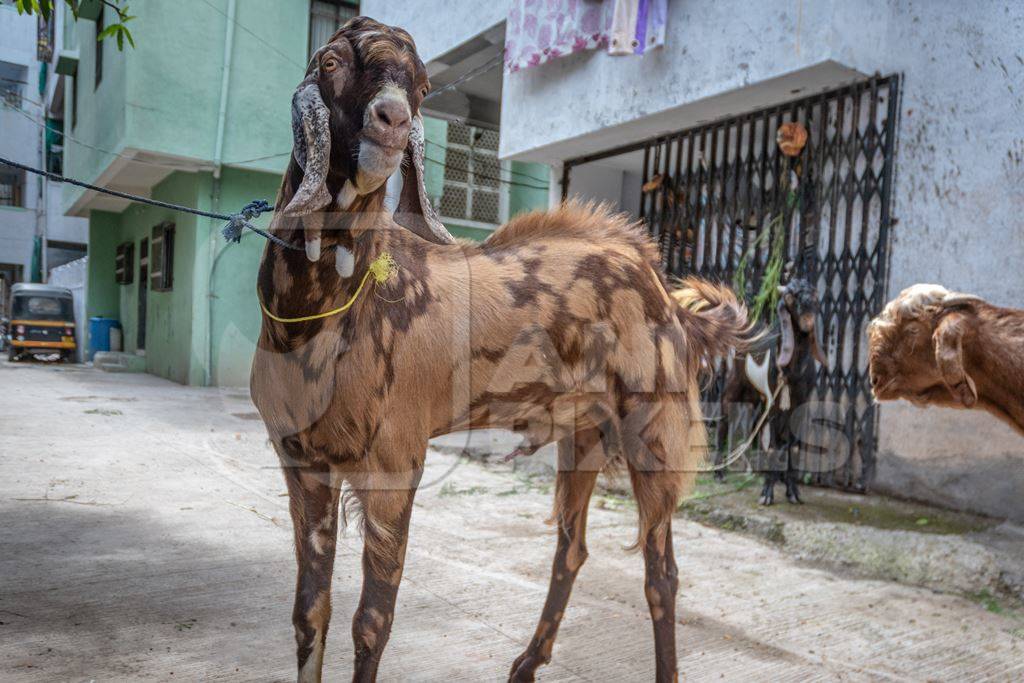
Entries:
{"x":936,"y":347}
{"x":780,"y":382}
{"x":559,"y":326}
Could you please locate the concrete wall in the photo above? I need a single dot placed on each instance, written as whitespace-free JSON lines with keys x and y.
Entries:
{"x":164,"y":96}
{"x":210,"y":318}
{"x":711,"y":48}
{"x":959,"y":200}
{"x":74,"y":275}
{"x":438,"y":26}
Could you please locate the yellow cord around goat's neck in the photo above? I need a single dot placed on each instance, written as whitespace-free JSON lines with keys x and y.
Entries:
{"x":382,"y":269}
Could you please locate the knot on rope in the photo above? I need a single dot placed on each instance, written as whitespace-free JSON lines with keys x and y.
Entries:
{"x":383,"y":268}
{"x":239,"y":221}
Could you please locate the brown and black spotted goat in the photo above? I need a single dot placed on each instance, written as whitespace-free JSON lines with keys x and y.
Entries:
{"x":559,"y":326}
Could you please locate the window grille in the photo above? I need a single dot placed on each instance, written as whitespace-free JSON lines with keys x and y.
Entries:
{"x":161,"y":258}
{"x":11,"y":190}
{"x":472,"y":177}
{"x":124,"y":263}
{"x":712,"y":190}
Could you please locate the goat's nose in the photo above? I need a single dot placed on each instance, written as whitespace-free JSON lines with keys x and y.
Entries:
{"x":391,"y":114}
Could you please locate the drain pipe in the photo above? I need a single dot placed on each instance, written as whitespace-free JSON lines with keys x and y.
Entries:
{"x":218,"y":158}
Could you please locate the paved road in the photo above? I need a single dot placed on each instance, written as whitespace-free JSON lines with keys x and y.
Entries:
{"x":144,"y":536}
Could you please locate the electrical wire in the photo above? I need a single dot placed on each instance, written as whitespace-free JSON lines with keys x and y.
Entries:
{"x":472,"y":73}
{"x":254,"y":35}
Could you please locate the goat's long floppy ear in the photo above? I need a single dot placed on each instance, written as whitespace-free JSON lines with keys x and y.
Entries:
{"x":948,"y":339}
{"x":414,"y":211}
{"x":788,"y":338}
{"x":312,"y":146}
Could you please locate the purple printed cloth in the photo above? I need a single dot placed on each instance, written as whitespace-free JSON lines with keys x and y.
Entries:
{"x":538,"y":31}
{"x":541,"y":30}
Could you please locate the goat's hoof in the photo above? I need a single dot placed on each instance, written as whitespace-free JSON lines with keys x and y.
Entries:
{"x":719,"y":475}
{"x":766,"y":500}
{"x":523,"y":669}
{"x":794,"y":499}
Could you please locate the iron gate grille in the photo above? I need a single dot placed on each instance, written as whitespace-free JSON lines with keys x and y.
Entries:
{"x":710,"y":191}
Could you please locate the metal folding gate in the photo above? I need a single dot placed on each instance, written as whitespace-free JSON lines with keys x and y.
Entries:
{"x":710,"y":193}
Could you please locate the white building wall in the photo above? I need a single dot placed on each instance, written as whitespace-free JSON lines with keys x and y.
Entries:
{"x":20,"y":140}
{"x":959,"y":199}
{"x":75,"y":276}
{"x":19,"y":137}
{"x":441,"y":25}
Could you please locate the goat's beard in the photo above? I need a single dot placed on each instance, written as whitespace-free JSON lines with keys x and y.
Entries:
{"x":375,"y":165}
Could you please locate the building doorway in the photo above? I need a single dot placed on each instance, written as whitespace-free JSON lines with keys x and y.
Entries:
{"x":714,"y":196}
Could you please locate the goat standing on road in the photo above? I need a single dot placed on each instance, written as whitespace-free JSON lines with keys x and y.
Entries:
{"x":782,"y":380}
{"x":559,"y":326}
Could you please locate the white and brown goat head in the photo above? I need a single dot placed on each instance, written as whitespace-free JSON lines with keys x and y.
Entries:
{"x":356,"y":120}
{"x":916,"y":348}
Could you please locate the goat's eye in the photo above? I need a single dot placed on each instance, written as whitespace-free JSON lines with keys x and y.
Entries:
{"x":423,"y":91}
{"x":330,"y":64}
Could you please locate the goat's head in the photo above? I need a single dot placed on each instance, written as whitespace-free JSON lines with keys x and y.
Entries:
{"x":916,"y":347}
{"x":355,"y":117}
{"x":798,"y":300}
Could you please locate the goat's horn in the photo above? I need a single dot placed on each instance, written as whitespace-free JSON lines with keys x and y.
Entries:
{"x":312,"y":152}
{"x":959,"y":300}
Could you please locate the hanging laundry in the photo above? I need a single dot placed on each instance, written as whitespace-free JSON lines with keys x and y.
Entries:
{"x":538,"y":31}
{"x":637,"y":26}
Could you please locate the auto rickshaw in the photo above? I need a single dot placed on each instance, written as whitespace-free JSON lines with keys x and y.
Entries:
{"x":42,"y":322}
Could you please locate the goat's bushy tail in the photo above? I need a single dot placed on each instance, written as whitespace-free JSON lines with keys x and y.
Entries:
{"x":713,"y":317}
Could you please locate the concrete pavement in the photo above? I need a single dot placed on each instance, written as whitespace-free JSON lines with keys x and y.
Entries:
{"x":145,"y":536}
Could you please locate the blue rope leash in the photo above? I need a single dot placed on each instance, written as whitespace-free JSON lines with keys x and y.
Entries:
{"x":237,"y":222}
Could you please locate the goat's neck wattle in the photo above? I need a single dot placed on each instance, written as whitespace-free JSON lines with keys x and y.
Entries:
{"x":994,"y":358}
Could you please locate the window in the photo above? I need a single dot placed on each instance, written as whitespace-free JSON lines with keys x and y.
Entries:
{"x":11,"y":187}
{"x":161,"y":258}
{"x":11,"y":91}
{"x":326,"y":17}
{"x":13,"y":79}
{"x":472,"y":177}
{"x":43,"y":307}
{"x":124,"y":263}
{"x":99,"y":50}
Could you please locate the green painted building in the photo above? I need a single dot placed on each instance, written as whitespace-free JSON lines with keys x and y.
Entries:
{"x":199,"y":114}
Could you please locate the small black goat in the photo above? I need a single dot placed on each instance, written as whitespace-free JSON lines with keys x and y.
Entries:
{"x":755,"y":378}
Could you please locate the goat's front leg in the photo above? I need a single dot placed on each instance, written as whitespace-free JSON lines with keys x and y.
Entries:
{"x":386,"y":515}
{"x":574,"y":484}
{"x":768,"y":490}
{"x":314,"y":512}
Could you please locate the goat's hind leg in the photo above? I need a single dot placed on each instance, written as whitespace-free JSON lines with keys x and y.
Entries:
{"x":580,"y":458}
{"x":313,"y":498}
{"x":656,"y":495}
